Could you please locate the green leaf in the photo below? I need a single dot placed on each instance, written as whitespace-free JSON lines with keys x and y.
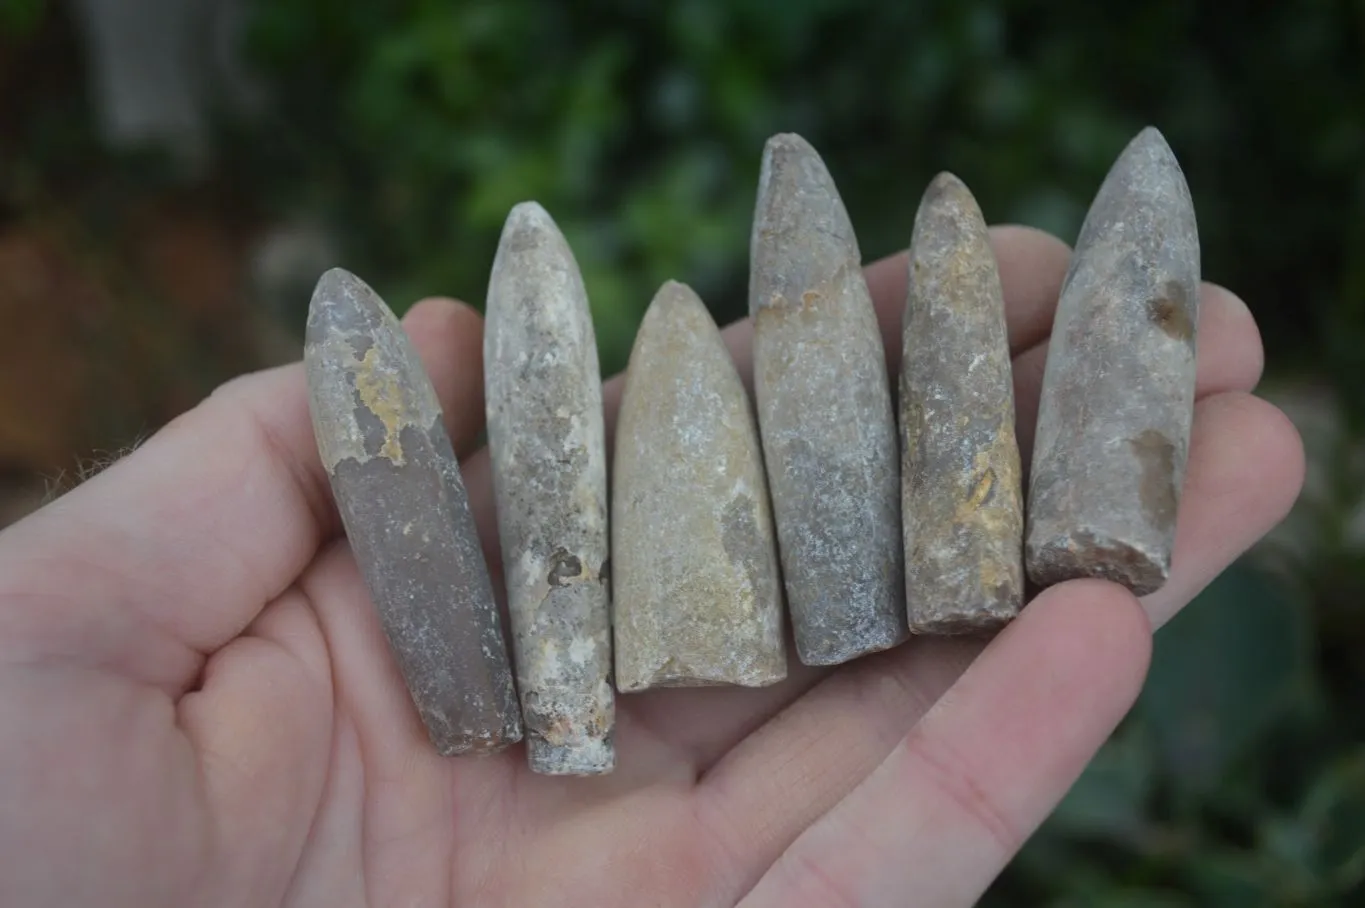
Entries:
{"x":1333,"y":814}
{"x":1222,"y":673}
{"x":1230,"y":879}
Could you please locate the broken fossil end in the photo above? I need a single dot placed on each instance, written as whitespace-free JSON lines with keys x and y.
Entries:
{"x":1081,"y":555}
{"x":590,"y":754}
{"x":984,"y":620}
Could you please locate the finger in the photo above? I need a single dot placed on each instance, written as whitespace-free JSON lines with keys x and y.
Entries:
{"x":1245,"y":472}
{"x":784,"y":776}
{"x":173,"y":550}
{"x":959,"y":794}
{"x":1229,"y":358}
{"x":1032,"y":264}
{"x":448,"y":336}
{"x":1238,"y":354}
{"x":1245,"y":468}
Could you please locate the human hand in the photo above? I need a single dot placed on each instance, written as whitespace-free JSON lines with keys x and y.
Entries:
{"x":197,"y":705}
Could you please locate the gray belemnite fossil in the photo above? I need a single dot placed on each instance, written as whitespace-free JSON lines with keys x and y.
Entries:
{"x":697,"y":598}
{"x":824,"y":413}
{"x":716,"y":502}
{"x":1118,"y":389}
{"x":548,"y":445}
{"x":962,"y":501}
{"x":397,"y":484}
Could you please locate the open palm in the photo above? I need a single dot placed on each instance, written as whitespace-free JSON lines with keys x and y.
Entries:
{"x":197,"y":706}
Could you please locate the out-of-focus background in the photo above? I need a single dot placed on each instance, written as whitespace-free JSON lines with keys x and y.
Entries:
{"x":174,"y":174}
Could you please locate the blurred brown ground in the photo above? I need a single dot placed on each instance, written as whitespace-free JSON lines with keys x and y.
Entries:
{"x":105,"y":343}
{"x":121,"y":309}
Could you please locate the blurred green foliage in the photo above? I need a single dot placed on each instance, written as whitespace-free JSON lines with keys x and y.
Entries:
{"x":20,"y":17}
{"x":414,"y":125}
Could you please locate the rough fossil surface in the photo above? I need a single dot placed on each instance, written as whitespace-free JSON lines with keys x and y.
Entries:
{"x":397,"y":485}
{"x":825,"y":415}
{"x":697,"y":596}
{"x":962,"y":495}
{"x":548,"y":445}
{"x":1118,"y":388}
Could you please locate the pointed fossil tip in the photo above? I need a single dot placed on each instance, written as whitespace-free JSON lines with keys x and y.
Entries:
{"x":945,"y":183}
{"x":334,"y":286}
{"x":802,"y":236}
{"x":787,"y":143}
{"x":1147,"y":167}
{"x":672,"y":291}
{"x":1149,"y":143}
{"x":1145,"y":199}
{"x":788,"y":157}
{"x":947,"y":196}
{"x":1150,"y":135}
{"x":784,"y":154}
{"x":673,"y":301}
{"x":528,"y":231}
{"x":341,"y":300}
{"x":529,"y":213}
{"x":674,"y":310}
{"x":530,"y":251}
{"x":335,"y":280}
